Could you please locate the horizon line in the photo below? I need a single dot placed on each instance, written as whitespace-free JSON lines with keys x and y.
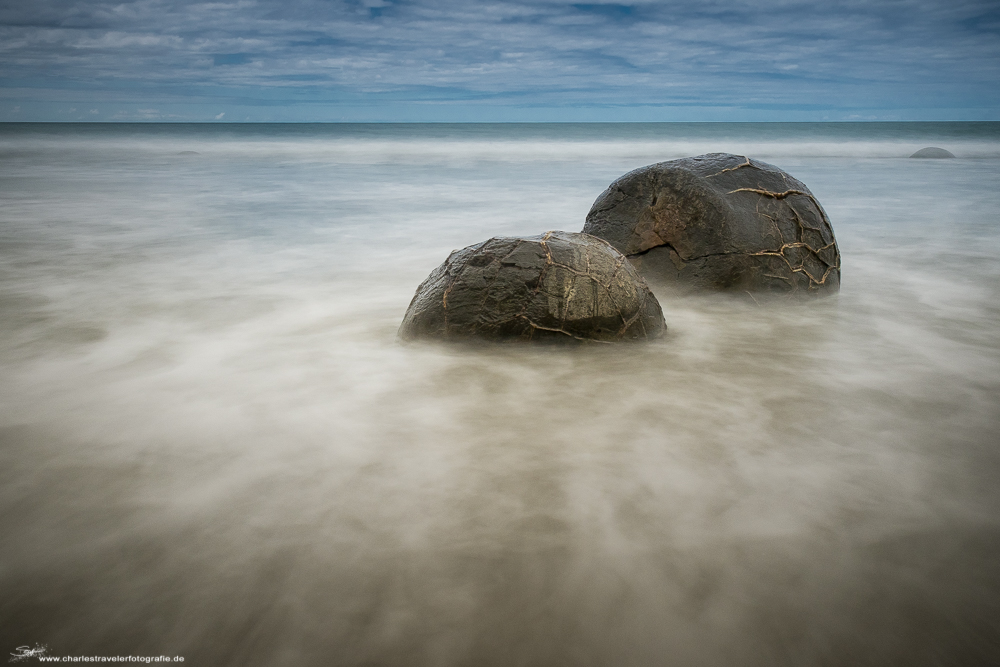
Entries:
{"x":857,"y":121}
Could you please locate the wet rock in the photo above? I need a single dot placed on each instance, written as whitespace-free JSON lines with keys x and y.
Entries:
{"x":720,"y":222}
{"x":556,"y":286}
{"x":932,"y":153}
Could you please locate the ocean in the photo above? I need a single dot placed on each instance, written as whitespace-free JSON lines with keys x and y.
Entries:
{"x":212,"y":445}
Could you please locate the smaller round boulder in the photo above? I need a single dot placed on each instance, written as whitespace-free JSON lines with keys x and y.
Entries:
{"x":932,"y":152}
{"x":556,"y":286}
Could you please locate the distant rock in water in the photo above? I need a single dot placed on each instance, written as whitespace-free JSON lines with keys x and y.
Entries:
{"x":189,"y":153}
{"x":556,"y":286}
{"x":719,"y":222}
{"x":932,"y":152}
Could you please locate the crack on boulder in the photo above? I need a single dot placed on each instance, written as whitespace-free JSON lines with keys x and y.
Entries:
{"x":800,"y":267}
{"x":748,"y":163}
{"x":814,"y":282}
{"x":539,"y":327}
{"x":768,"y":193}
{"x":682,"y":258}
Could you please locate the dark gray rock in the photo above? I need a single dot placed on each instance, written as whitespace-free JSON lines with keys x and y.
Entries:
{"x":558,"y":286}
{"x":722,"y":222}
{"x":932,"y":153}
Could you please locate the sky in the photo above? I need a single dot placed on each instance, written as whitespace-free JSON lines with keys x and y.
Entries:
{"x":496,"y":61}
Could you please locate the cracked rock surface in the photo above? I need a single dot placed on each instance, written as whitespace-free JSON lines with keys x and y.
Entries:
{"x":556,"y":286}
{"x":719,"y":221}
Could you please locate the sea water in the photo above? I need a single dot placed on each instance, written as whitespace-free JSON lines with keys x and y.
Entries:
{"x":213,"y":446}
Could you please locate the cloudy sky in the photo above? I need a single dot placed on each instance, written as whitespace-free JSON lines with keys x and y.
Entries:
{"x":491,"y":60}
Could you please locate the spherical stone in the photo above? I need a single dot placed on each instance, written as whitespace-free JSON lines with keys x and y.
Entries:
{"x":932,"y":152}
{"x":555,"y":286}
{"x":719,"y":221}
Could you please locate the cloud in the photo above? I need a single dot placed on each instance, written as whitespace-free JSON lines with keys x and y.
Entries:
{"x":736,"y":53}
{"x":219,"y":116}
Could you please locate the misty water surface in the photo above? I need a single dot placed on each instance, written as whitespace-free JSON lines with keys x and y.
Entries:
{"x":213,"y":445}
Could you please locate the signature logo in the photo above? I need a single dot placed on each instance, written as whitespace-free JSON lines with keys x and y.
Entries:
{"x":25,"y":652}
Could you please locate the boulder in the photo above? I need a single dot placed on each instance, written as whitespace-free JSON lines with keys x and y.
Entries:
{"x":556,"y":286}
{"x":932,"y":153}
{"x":720,"y":222}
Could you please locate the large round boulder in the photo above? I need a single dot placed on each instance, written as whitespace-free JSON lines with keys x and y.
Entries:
{"x":719,"y":221}
{"x":558,"y":285}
